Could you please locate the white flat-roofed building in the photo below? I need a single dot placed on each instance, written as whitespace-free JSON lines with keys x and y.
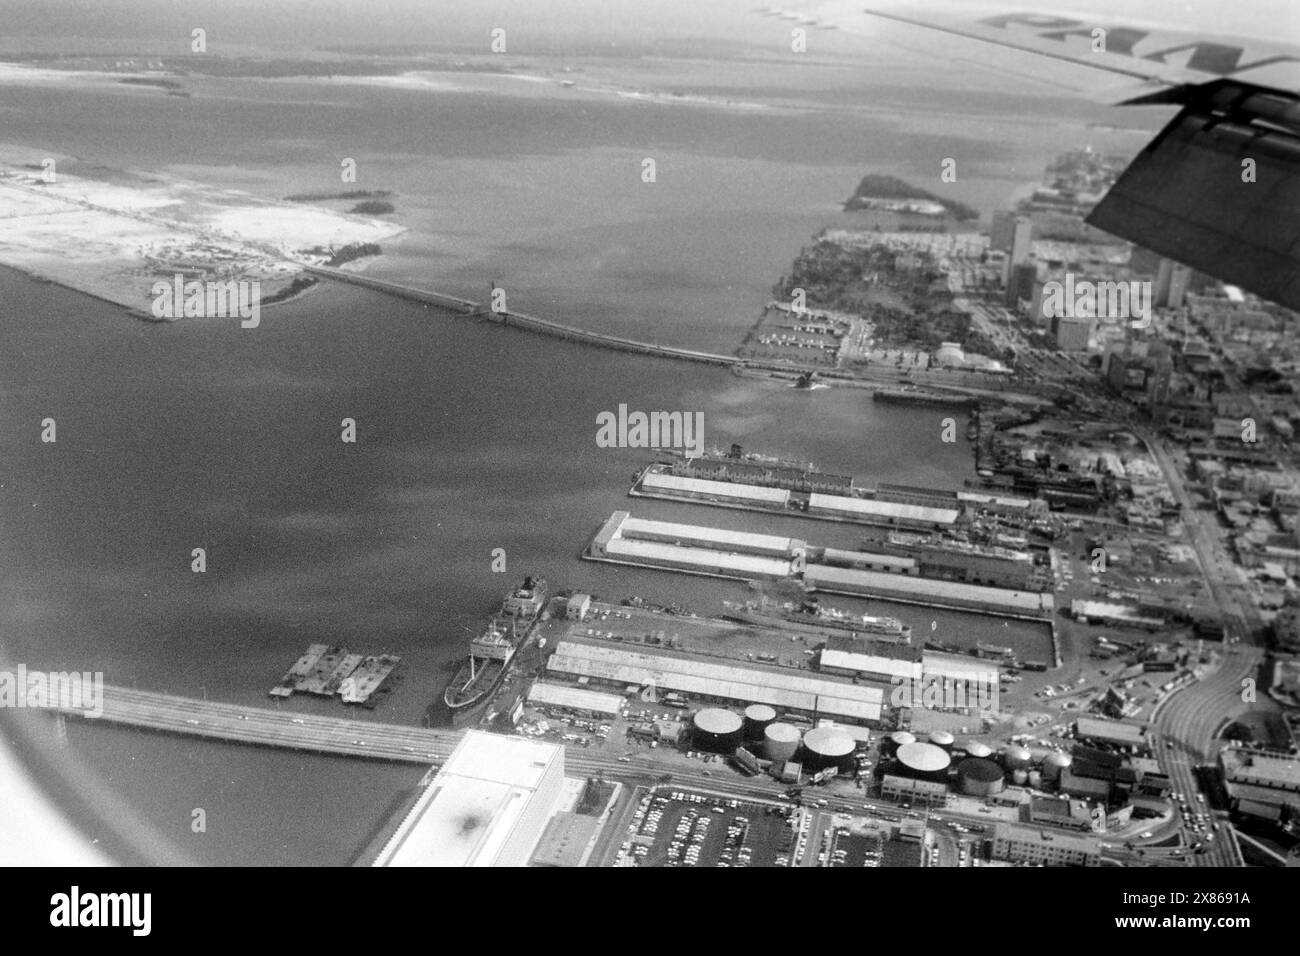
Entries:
{"x":872,"y":511}
{"x":868,"y":561}
{"x":487,"y":806}
{"x":1246,"y":766}
{"x":695,"y":549}
{"x":564,"y":697}
{"x":656,"y":482}
{"x":696,"y":560}
{"x":1117,"y":732}
{"x":867,"y":665}
{"x":968,"y":678}
{"x":944,"y":593}
{"x":720,"y":539}
{"x":959,"y":667}
{"x":621,"y":666}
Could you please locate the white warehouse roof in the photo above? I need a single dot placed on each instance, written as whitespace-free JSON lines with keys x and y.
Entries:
{"x":574,"y":698}
{"x":725,"y":539}
{"x":701,"y":559}
{"x":794,"y":691}
{"x":719,"y":489}
{"x":882,"y":509}
{"x":870,"y":664}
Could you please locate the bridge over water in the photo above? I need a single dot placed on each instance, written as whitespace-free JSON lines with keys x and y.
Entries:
{"x":521,"y":320}
{"x":272,"y":727}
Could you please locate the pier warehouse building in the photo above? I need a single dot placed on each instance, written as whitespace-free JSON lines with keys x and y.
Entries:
{"x":696,"y":549}
{"x":761,"y":474}
{"x":722,"y":492}
{"x":506,"y":787}
{"x":726,"y":682}
{"x":886,"y":513}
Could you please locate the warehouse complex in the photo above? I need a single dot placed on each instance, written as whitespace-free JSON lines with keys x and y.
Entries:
{"x":732,"y":682}
{"x":884,"y":573}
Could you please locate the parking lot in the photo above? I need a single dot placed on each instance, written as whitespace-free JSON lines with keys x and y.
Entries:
{"x":683,"y":828}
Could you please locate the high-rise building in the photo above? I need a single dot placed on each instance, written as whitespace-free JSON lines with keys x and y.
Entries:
{"x":1022,"y":237}
{"x":1003,"y":231}
{"x":1170,"y":288}
{"x":1020,"y":282}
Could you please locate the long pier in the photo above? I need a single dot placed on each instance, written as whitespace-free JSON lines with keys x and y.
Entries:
{"x":522,"y":320}
{"x":271,"y":727}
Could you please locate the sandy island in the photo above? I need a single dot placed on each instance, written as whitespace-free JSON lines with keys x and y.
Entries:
{"x":114,"y":233}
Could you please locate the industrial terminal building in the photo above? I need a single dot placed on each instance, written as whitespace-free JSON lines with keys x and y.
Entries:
{"x":487,"y":806}
{"x":695,"y":549}
{"x":729,"y":682}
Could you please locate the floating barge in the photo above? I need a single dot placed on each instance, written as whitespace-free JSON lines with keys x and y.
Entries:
{"x":325,"y":670}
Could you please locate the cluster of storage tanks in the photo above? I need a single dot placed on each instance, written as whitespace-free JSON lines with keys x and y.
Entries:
{"x":721,"y":731}
{"x":978,"y":770}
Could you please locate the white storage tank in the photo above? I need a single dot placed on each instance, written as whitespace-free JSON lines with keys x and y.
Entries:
{"x":1017,"y":758}
{"x":1054,"y":763}
{"x":943,"y":740}
{"x":780,"y":742}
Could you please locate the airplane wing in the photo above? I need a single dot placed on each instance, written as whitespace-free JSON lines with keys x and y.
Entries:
{"x":1219,"y":188}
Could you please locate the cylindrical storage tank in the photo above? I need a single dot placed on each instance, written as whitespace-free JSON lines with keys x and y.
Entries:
{"x":923,"y":762}
{"x":1054,"y":763}
{"x":757,"y":719}
{"x":974,"y":748}
{"x":780,"y":742}
{"x":979,"y":777}
{"x":1036,"y":779}
{"x":717,"y":730}
{"x":889,"y":745}
{"x":1020,"y":777}
{"x":1017,"y":758}
{"x":943,"y":740}
{"x":827,"y":747}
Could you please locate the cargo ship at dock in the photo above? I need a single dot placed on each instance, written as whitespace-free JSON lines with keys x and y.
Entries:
{"x":811,"y":616}
{"x":491,"y":653}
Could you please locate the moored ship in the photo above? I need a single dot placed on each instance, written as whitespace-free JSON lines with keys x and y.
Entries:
{"x":812,"y":616}
{"x":492,"y":651}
